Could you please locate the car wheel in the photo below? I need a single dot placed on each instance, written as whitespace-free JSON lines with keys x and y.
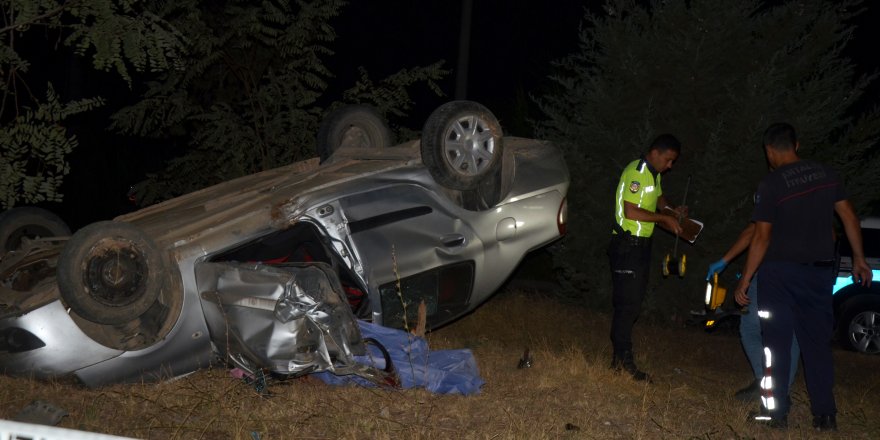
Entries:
{"x":110,"y":272}
{"x":461,"y":144}
{"x":859,"y":327}
{"x":352,"y":126}
{"x":17,"y":224}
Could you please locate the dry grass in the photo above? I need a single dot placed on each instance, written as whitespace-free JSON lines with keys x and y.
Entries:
{"x":569,"y":392}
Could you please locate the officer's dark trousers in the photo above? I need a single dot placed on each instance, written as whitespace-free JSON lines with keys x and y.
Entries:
{"x":797,"y":300}
{"x":630,"y":260}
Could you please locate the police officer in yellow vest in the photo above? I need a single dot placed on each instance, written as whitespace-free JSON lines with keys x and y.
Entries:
{"x":638,"y":197}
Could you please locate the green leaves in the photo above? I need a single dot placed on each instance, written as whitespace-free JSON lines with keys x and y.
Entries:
{"x":119,"y":35}
{"x":391,"y":95}
{"x":122,"y":35}
{"x":238,"y":84}
{"x":715,"y":73}
{"x":249,"y":95}
{"x":34,"y":148}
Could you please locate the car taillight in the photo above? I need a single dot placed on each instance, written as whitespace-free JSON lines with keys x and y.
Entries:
{"x":562,"y":216}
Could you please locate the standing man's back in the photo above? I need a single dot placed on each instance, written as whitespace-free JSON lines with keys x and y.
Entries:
{"x":794,"y":247}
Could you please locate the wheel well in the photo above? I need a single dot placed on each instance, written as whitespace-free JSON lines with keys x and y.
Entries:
{"x":855,"y":294}
{"x":857,"y":297}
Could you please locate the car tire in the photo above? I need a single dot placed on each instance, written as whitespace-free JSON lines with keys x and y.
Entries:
{"x":110,"y":273}
{"x":859,"y":325}
{"x":356,"y":125}
{"x":28,"y":222}
{"x":461,"y":144}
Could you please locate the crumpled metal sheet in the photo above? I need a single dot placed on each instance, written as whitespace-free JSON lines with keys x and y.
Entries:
{"x":290,"y":319}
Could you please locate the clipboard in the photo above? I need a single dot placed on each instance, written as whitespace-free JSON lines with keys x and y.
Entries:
{"x":690,"y":228}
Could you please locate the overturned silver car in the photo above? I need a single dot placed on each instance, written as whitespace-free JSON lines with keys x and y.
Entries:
{"x":269,"y":270}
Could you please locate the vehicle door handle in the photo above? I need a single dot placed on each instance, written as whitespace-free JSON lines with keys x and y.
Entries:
{"x":453,"y":240}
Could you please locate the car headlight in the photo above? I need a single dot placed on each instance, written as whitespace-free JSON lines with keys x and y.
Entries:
{"x":17,"y":340}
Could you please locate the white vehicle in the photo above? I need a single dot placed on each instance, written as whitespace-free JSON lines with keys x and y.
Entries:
{"x":857,"y":308}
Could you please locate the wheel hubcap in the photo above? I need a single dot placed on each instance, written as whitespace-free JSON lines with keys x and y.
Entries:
{"x":355,"y":136}
{"x":115,"y":273}
{"x":864,"y":330}
{"x":470,"y":145}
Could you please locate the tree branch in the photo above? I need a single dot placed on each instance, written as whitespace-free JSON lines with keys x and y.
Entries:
{"x":42,"y":16}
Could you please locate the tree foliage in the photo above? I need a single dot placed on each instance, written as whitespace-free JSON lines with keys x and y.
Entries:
{"x":251,"y":92}
{"x":35,"y":147}
{"x":715,"y":73}
{"x":239,"y":86}
{"x":117,"y":35}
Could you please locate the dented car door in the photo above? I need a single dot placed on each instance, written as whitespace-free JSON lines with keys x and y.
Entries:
{"x":413,"y":248}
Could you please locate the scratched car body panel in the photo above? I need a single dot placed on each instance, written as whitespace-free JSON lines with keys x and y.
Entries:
{"x":375,"y":216}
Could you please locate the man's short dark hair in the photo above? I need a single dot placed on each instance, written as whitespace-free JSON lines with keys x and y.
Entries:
{"x":780,"y":136}
{"x":666,"y":142}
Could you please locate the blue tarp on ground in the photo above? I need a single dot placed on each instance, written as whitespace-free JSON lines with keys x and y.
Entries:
{"x":442,"y":371}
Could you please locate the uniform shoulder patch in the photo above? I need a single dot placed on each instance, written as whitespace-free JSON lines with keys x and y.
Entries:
{"x":634,"y":186}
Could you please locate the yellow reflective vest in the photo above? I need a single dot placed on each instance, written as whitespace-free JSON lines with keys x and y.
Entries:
{"x":639,"y":185}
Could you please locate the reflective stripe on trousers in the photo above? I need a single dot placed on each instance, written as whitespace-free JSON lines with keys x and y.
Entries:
{"x":795,"y":300}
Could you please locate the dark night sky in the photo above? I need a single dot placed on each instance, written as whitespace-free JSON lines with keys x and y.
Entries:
{"x":513,"y":44}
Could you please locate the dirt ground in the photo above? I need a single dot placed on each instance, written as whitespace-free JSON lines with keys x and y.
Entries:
{"x":568,"y":392}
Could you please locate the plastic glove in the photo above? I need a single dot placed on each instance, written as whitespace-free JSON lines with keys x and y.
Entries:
{"x":716,"y":267}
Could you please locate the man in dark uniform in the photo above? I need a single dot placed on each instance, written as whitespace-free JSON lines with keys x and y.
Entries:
{"x":794,"y":247}
{"x":638,"y":197}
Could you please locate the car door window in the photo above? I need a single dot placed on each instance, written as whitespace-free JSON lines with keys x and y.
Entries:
{"x":444,"y":291}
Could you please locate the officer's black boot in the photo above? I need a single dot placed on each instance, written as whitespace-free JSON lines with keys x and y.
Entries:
{"x":774,"y":419}
{"x":825,"y":423}
{"x":625,"y":362}
{"x":770,"y":419}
